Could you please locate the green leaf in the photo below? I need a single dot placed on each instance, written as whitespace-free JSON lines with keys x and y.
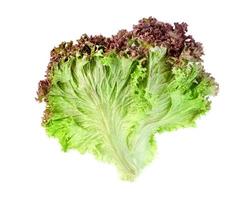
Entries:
{"x":112,"y":106}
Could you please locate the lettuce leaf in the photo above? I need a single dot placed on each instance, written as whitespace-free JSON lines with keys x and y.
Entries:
{"x":112,"y":106}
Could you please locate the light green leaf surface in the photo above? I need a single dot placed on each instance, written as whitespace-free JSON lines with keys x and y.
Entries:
{"x":112,"y":106}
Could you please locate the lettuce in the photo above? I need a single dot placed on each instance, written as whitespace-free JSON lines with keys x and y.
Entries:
{"x":110,"y":96}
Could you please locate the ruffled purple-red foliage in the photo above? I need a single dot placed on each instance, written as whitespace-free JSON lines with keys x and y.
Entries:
{"x":149,"y":32}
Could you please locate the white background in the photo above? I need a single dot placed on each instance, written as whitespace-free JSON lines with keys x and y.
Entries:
{"x":204,"y":163}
